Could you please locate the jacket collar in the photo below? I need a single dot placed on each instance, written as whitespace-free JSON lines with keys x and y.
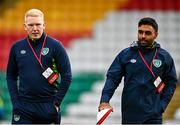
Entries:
{"x":134,"y":45}
{"x":37,"y":41}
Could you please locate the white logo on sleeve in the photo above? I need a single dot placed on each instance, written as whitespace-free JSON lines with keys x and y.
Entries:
{"x":16,"y":117}
{"x":133,"y":60}
{"x":23,"y":51}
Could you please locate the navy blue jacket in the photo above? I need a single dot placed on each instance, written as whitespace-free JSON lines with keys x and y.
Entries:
{"x":140,"y":101}
{"x":24,"y":73}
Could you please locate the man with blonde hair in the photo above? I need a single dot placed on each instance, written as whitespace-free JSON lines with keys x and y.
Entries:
{"x":39,"y":22}
{"x":35,"y":64}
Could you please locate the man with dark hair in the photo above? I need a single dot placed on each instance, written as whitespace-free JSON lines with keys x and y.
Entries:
{"x":149,"y":78}
{"x":34,"y":65}
{"x":148,"y":21}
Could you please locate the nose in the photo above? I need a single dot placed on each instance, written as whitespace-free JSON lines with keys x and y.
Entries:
{"x":34,"y":27}
{"x":143,"y":35}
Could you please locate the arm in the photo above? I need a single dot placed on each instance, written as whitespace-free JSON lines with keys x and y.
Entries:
{"x":12,"y":76}
{"x":64,"y":68}
{"x":170,"y":79}
{"x":114,"y":76}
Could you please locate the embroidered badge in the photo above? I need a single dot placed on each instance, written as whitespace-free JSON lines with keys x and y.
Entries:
{"x":23,"y":51}
{"x":16,"y":117}
{"x":45,"y":51}
{"x":133,"y":60}
{"x":157,"y":63}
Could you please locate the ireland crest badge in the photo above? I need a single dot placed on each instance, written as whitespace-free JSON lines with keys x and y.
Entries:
{"x":45,"y":51}
{"x":157,"y":63}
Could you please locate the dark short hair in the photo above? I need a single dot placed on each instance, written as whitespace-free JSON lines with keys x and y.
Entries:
{"x":148,"y":21}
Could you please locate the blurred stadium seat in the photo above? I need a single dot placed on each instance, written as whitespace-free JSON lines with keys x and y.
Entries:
{"x":93,"y":35}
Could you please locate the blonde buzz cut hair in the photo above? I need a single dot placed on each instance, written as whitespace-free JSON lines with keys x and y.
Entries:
{"x":33,"y":13}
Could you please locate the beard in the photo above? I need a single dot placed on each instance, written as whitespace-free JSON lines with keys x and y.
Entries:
{"x":146,"y":44}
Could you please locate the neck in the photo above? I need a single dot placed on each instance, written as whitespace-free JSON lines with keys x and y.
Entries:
{"x":36,"y":40}
{"x":32,"y":40}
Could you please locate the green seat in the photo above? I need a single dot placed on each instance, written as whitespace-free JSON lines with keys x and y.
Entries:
{"x":81,"y":82}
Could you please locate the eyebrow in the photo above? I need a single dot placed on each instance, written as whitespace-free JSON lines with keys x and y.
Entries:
{"x":146,"y":32}
{"x":34,"y":24}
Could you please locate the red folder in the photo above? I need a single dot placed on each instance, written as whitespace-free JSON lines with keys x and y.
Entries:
{"x":102,"y":115}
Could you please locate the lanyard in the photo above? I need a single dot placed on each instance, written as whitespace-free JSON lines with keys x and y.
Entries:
{"x":40,"y":55}
{"x":149,"y":67}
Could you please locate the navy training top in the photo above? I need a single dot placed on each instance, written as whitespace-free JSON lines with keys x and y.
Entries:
{"x":24,"y":67}
{"x":140,"y":100}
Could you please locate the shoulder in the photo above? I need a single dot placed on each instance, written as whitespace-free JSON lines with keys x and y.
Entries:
{"x":164,"y":53}
{"x":165,"y":56}
{"x":126,"y":52}
{"x":20,"y":43}
{"x":124,"y":55}
{"x":55,"y":44}
{"x":52,"y":42}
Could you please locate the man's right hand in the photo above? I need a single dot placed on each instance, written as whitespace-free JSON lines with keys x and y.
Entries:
{"x":104,"y":105}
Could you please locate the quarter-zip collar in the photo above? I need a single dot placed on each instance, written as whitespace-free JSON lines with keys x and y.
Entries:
{"x":36,"y":42}
{"x":134,"y":45}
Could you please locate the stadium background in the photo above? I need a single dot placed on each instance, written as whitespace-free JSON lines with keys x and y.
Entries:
{"x":93,"y":32}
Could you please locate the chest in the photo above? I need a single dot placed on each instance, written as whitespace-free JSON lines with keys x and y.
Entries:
{"x":33,"y":57}
{"x":147,"y":64}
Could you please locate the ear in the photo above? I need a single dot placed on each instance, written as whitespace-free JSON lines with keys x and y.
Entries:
{"x":44,"y":25}
{"x":25,"y":28}
{"x":156,"y":34}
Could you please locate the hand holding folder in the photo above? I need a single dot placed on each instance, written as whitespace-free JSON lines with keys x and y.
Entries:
{"x":102,"y":115}
{"x":104,"y":110}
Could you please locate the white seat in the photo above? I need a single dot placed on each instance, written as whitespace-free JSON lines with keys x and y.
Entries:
{"x":177,"y":114}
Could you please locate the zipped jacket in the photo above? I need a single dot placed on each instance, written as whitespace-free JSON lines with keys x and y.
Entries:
{"x":140,"y":100}
{"x":24,"y":73}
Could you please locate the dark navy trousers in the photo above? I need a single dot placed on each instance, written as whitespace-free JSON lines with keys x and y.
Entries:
{"x":150,"y":122}
{"x":35,"y":113}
